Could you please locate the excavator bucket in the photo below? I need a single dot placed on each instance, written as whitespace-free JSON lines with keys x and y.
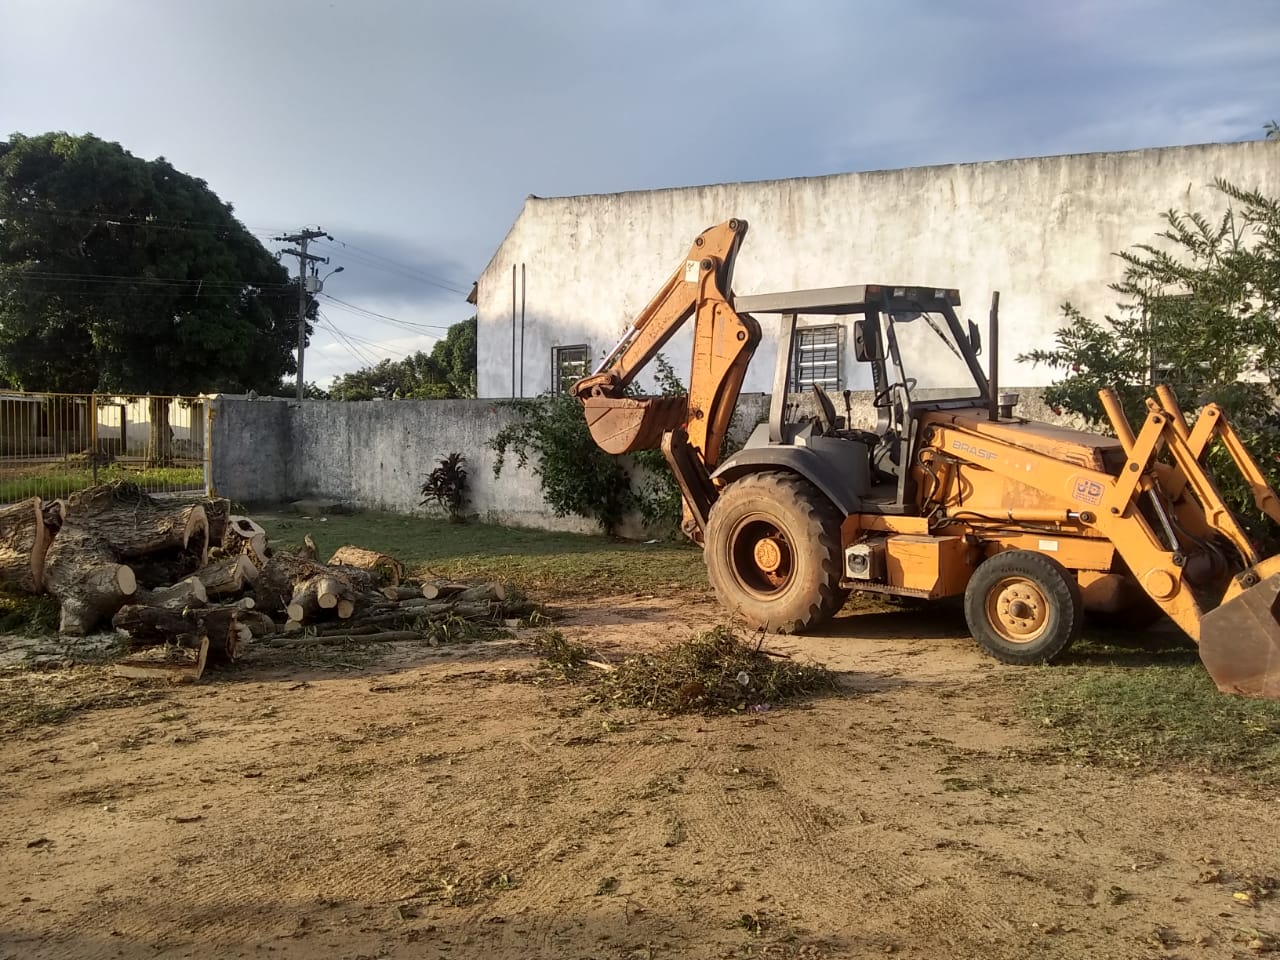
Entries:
{"x":1240,"y":641}
{"x":624,"y":424}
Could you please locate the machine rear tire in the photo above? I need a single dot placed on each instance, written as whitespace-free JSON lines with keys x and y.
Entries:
{"x":773,"y":552}
{"x":1023,"y":607}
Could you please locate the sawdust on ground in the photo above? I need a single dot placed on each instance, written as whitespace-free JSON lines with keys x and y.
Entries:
{"x":455,"y":803}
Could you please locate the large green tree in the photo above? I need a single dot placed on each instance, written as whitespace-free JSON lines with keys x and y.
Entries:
{"x":125,"y":275}
{"x":1201,"y":312}
{"x":448,"y":371}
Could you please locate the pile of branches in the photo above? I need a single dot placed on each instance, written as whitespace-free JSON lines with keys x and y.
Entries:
{"x":714,"y":672}
{"x":189,"y":583}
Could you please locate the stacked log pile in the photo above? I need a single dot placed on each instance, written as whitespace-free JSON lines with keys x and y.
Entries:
{"x":190,"y":583}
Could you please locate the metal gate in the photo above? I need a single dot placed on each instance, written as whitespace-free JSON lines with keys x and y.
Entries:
{"x":53,"y":444}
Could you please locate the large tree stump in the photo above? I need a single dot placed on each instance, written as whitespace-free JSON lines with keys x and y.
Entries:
{"x":82,"y":572}
{"x":24,"y":541}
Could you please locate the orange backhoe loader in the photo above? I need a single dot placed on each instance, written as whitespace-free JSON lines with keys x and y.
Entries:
{"x":950,"y":493}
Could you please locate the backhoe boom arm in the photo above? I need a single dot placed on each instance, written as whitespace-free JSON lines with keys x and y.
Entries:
{"x":723,"y":343}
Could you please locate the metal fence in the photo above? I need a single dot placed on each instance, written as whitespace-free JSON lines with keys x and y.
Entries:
{"x":53,"y":444}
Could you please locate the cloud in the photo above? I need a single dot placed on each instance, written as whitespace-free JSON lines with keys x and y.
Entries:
{"x":414,"y":131}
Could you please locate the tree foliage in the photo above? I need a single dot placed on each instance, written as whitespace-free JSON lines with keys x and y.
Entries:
{"x":578,"y":477}
{"x":448,"y":371}
{"x":125,"y":275}
{"x":1201,"y":312}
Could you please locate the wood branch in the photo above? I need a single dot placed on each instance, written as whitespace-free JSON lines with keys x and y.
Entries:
{"x":188,"y":592}
{"x":259,"y":624}
{"x":388,"y":568}
{"x":345,"y":609}
{"x":404,"y":591}
{"x":24,"y":541}
{"x":228,"y":576}
{"x":244,"y":536}
{"x":387,"y":636}
{"x":321,"y":592}
{"x":484,"y":591}
{"x":309,"y":550}
{"x":439,"y":590}
{"x":82,"y":572}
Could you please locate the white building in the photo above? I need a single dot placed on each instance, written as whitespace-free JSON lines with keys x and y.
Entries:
{"x":573,"y":272}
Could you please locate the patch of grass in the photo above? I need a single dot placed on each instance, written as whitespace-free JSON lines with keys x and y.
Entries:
{"x":712,"y":672}
{"x":25,"y":614}
{"x":53,"y":480}
{"x":1151,"y":708}
{"x":567,"y":564}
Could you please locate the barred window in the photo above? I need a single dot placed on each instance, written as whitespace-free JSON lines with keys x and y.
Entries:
{"x":815,"y":358}
{"x":568,"y":365}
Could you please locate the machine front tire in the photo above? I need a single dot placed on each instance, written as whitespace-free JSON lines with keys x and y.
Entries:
{"x":773,"y":552}
{"x":1023,"y":607}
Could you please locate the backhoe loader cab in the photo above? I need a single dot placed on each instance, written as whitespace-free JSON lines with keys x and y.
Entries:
{"x":913,"y":354}
{"x":948,"y":493}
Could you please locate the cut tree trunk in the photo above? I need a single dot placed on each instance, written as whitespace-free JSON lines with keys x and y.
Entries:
{"x":24,"y":541}
{"x":219,"y":627}
{"x":244,"y":536}
{"x":324,"y":591}
{"x":189,"y":592}
{"x":405,"y":591}
{"x":227,"y":576}
{"x":165,"y":663}
{"x":389,"y":568}
{"x":135,"y":525}
{"x":83,"y":574}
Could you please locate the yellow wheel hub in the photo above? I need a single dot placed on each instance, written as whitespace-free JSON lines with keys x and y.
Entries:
{"x":1017,"y":610}
{"x":767,"y":554}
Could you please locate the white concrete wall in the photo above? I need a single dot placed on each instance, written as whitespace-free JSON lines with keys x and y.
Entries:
{"x":1041,"y":230}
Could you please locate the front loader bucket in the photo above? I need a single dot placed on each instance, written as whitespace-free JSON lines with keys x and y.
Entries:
{"x":624,"y":424}
{"x":1240,"y":641}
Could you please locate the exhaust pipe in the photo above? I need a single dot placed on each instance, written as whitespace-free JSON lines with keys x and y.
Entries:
{"x":993,"y":350}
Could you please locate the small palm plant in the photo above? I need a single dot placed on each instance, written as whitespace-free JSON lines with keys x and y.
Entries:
{"x":446,"y":485}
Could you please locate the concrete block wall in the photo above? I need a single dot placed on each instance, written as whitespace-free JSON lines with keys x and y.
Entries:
{"x":375,"y":455}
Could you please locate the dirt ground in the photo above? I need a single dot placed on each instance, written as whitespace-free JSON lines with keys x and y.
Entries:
{"x":451,"y":802}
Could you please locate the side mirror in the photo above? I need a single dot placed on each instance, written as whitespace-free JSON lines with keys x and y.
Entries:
{"x":975,"y":338}
{"x":866,"y":342}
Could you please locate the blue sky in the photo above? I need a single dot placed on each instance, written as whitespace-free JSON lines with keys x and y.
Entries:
{"x":412,"y":130}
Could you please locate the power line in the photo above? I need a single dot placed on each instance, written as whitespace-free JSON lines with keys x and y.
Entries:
{"x":410,"y":325}
{"x":351,"y":348}
{"x":111,"y":220}
{"x":112,"y":279}
{"x":403,"y":269}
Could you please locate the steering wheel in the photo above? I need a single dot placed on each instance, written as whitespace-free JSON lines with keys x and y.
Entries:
{"x":881,"y":399}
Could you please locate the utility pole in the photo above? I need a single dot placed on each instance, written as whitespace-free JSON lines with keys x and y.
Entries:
{"x":302,"y":238}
